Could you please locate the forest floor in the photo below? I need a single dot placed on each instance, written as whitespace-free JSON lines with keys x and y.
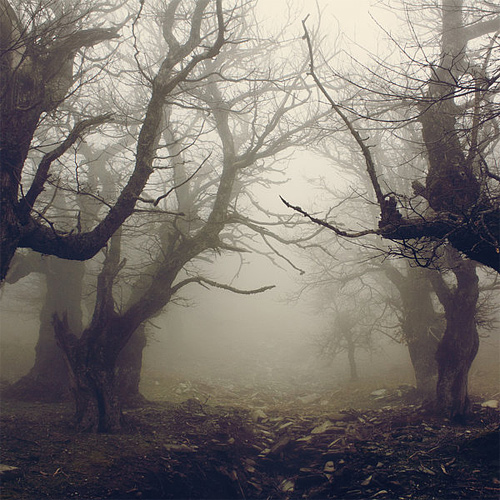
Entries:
{"x":199,"y":440}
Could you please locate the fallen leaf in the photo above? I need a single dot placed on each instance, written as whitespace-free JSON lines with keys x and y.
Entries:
{"x":381,"y":492}
{"x":329,"y":467}
{"x":367,"y":481}
{"x":424,"y":469}
{"x":287,"y":486}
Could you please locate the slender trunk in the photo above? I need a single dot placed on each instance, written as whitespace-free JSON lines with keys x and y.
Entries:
{"x":351,"y":348}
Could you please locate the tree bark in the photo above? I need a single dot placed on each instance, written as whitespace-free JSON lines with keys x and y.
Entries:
{"x":460,"y":341}
{"x":91,"y":361}
{"x":420,"y":325}
{"x":128,"y":370}
{"x":351,"y":348}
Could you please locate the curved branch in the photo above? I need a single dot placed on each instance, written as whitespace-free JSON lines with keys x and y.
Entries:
{"x":85,"y":245}
{"x":323,"y":223}
{"x":42,"y":172}
{"x":370,"y":165}
{"x":205,"y":281}
{"x":467,"y":236}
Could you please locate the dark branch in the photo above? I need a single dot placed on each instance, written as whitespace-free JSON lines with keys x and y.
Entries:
{"x":205,"y":281}
{"x":42,"y":172}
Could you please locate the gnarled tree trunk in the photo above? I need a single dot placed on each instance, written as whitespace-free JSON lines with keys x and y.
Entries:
{"x":421,"y":325}
{"x":460,"y":341}
{"x":92,"y":361}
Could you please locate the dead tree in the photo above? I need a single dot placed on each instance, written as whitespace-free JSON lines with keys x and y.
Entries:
{"x":39,"y":51}
{"x":196,"y":216}
{"x":460,"y":187}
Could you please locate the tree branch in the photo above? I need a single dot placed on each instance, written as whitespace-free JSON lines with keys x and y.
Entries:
{"x":205,"y":281}
{"x":370,"y":165}
{"x":323,"y":223}
{"x":481,"y":28}
{"x":85,"y":245}
{"x":42,"y":172}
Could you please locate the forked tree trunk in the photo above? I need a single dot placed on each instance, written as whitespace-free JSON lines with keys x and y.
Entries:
{"x":92,"y":362}
{"x":460,"y":342}
{"x":92,"y":358}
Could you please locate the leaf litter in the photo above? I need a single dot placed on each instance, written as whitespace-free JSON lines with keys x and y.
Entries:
{"x":221,"y":443}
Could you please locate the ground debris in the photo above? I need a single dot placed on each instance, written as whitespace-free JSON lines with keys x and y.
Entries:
{"x":9,"y":472}
{"x":189,"y":449}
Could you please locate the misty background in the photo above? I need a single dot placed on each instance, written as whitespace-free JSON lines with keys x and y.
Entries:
{"x":261,"y":339}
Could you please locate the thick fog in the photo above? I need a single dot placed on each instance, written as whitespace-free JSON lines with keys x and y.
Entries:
{"x":249,"y":249}
{"x":271,"y":337}
{"x":221,"y":338}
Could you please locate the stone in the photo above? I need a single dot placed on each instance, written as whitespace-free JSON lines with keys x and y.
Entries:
{"x":309,"y":399}
{"x":179,"y":448}
{"x":491,"y":403}
{"x":324,"y":427}
{"x":258,"y":415}
{"x":9,"y":472}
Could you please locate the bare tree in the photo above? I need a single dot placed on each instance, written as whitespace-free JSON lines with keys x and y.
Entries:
{"x":244,"y":110}
{"x":44,"y":59}
{"x":457,"y":113}
{"x":345,"y":334}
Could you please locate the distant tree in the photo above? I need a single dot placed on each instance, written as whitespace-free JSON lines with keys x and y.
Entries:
{"x":414,"y":320}
{"x":345,"y":334}
{"x":49,"y":75}
{"x":62,"y":294}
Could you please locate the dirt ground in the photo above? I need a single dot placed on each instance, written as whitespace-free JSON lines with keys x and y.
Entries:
{"x":203,"y":440}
